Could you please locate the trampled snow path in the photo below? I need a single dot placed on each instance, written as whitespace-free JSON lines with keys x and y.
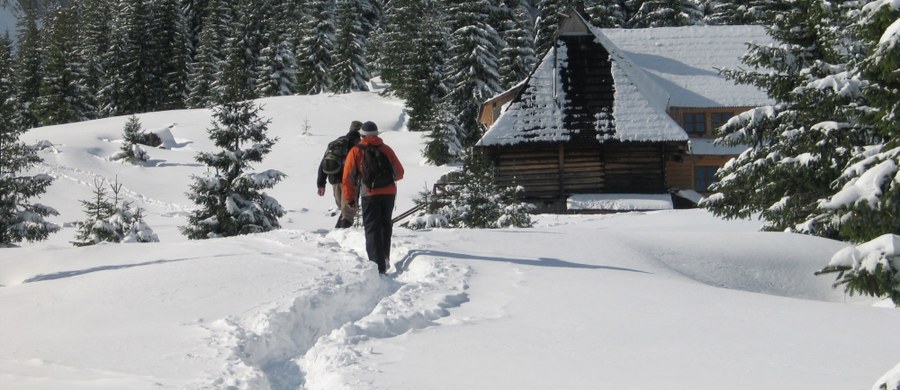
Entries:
{"x":314,"y":341}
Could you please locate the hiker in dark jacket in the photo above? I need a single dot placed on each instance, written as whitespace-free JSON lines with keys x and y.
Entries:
{"x":352,"y":138}
{"x":377,"y":203}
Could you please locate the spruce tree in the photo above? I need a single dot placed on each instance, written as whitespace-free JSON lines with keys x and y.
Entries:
{"x":126,"y":78}
{"x":315,"y":52}
{"x":474,"y":201}
{"x":517,"y":58}
{"x":442,"y":144}
{"x":19,"y":218}
{"x":240,"y":58}
{"x":131,"y":151}
{"x":167,"y":56}
{"x":92,"y":43}
{"x":472,"y":70}
{"x":63,"y":96}
{"x":28,"y":68}
{"x":111,"y":219}
{"x":204,"y":82}
{"x":864,"y":206}
{"x":229,"y":199}
{"x":547,"y":22}
{"x":798,"y":146}
{"x":397,"y":58}
{"x":417,"y":59}
{"x":96,"y":228}
{"x":351,"y":71}
{"x":607,"y":14}
{"x":666,"y":13}
{"x":276,"y":73}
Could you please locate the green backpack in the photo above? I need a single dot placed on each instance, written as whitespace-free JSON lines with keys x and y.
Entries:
{"x":335,"y":154}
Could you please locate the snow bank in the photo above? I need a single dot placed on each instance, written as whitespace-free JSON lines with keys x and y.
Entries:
{"x":619,"y":202}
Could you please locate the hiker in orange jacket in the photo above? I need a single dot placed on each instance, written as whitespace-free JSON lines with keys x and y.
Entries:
{"x":377,"y":203}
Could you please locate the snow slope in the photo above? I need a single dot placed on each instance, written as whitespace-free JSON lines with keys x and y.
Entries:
{"x":675,"y":298}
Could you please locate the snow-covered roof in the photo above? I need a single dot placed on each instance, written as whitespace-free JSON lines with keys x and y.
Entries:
{"x":685,"y":61}
{"x":538,"y":114}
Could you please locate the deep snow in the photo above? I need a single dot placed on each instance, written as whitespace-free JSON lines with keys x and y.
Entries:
{"x":639,"y":300}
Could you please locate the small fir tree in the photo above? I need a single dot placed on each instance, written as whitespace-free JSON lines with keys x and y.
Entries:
{"x":112,"y":219}
{"x":139,"y":230}
{"x":229,"y":199}
{"x":474,"y":201}
{"x":97,"y":227}
{"x":131,"y":151}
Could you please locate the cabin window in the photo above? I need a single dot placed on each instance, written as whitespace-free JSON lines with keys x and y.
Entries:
{"x":704,"y":177}
{"x":719,"y":118}
{"x":695,"y":123}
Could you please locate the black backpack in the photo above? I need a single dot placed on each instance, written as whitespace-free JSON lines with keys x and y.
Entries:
{"x":377,"y":170}
{"x":335,"y":154}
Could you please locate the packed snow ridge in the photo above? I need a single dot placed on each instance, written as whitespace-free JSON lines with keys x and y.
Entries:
{"x":311,"y":343}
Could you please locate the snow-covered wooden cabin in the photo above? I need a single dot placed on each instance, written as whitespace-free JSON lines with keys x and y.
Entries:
{"x":618,"y":113}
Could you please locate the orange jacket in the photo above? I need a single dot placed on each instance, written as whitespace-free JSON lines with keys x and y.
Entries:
{"x":353,"y":167}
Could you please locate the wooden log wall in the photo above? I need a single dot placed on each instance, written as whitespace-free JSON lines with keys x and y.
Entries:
{"x":560,"y":170}
{"x":635,"y":168}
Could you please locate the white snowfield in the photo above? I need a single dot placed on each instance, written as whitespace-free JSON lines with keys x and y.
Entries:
{"x":674,"y":299}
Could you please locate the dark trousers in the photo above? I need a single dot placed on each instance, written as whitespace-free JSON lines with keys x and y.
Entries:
{"x":376,"y":213}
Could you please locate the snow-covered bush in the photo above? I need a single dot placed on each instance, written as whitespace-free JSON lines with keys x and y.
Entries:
{"x":473,"y":200}
{"x":229,"y":199}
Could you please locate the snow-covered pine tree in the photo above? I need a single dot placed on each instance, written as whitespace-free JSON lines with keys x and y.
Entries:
{"x":240,"y":56}
{"x":474,"y":201}
{"x":131,"y":150}
{"x":139,"y":230}
{"x":606,"y":13}
{"x":63,"y":96}
{"x":517,"y":58}
{"x":547,"y":22}
{"x":350,"y":70}
{"x":168,"y":56}
{"x":28,"y":68}
{"x":412,"y":57}
{"x":229,"y":199}
{"x":194,"y":19}
{"x":96,"y":228}
{"x":666,"y":13}
{"x":204,"y":85}
{"x":443,"y":145}
{"x":733,"y":12}
{"x":315,"y":53}
{"x":798,"y":146}
{"x":864,"y":210}
{"x":92,"y":43}
{"x":111,"y":219}
{"x":19,"y":218}
{"x":472,"y":70}
{"x":276,"y":73}
{"x":399,"y":19}
{"x":126,"y":75}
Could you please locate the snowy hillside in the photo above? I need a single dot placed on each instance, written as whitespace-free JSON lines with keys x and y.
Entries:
{"x":673,"y":299}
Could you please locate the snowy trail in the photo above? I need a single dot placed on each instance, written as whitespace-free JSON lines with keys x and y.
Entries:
{"x":86,"y":179}
{"x":312,"y":341}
